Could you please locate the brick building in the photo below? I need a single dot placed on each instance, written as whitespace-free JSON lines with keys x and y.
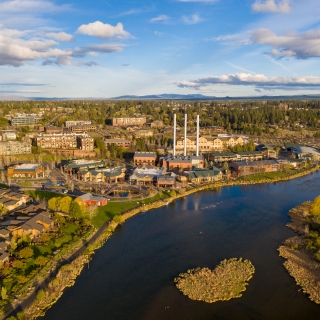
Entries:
{"x":77,"y":123}
{"x":180,"y":162}
{"x":147,"y":158}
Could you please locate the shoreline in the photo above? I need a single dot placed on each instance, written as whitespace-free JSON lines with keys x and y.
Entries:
{"x":299,"y":258}
{"x":53,"y":290}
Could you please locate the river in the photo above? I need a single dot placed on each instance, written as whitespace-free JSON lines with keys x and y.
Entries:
{"x":131,"y":276}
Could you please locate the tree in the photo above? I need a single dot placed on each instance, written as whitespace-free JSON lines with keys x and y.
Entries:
{"x":26,"y":253}
{"x":118,"y":219}
{"x":4,"y":294}
{"x":41,"y":295}
{"x":315,"y":207}
{"x":41,"y":261}
{"x":18,"y":264}
{"x":77,"y":208}
{"x":53,"y":204}
{"x":13,"y":244}
{"x":225,"y":167}
{"x":64,"y":204}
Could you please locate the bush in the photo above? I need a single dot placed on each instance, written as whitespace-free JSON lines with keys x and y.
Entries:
{"x":41,"y":295}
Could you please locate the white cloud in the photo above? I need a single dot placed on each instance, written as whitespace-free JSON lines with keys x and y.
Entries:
{"x":199,"y":1}
{"x":280,"y":6}
{"x":14,"y":6}
{"x":104,"y":30}
{"x":257,"y":80}
{"x":160,"y":18}
{"x":193,"y":19}
{"x":16,"y":51}
{"x":302,"y":46}
{"x":60,"y":36}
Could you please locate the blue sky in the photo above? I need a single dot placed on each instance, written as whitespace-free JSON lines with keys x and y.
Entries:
{"x":108,"y":48}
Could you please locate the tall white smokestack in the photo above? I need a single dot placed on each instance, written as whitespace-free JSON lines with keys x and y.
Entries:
{"x":198,"y":134}
{"x":174,"y":133}
{"x":185,"y":135}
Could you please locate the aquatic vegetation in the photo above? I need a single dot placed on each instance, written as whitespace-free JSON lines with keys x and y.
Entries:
{"x":225,"y":282}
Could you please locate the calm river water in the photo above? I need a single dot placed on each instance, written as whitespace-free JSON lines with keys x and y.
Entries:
{"x":131,"y":277}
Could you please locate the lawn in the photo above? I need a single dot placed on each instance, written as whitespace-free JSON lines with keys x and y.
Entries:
{"x":47,"y":195}
{"x":110,"y":210}
{"x":269,"y":175}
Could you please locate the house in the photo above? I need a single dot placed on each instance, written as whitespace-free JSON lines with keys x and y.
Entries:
{"x":267,"y":151}
{"x":148,"y":158}
{"x":89,"y":200}
{"x":204,"y":175}
{"x":244,"y":168}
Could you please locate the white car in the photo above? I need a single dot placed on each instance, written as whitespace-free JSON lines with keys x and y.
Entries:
{"x":65,"y":191}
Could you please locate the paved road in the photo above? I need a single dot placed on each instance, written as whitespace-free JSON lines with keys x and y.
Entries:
{"x":43,"y":285}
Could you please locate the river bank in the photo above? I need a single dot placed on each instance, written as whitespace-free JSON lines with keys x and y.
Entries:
{"x":299,"y":252}
{"x":54,"y":292}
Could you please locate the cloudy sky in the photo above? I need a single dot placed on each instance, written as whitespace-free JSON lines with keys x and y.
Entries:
{"x":108,"y":48}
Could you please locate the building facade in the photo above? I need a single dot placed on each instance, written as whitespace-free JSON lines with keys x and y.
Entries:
{"x":126,"y":122}
{"x":77,"y":123}
{"x":25,"y":119}
{"x":8,"y":148}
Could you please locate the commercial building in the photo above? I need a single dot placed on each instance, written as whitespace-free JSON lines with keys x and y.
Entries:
{"x":244,"y":168}
{"x":91,"y":200}
{"x":25,"y":171}
{"x":181,"y":162}
{"x":8,"y":148}
{"x":82,"y":128}
{"x":124,"y":143}
{"x":77,"y":123}
{"x":25,"y":119}
{"x":126,"y":122}
{"x":204,"y":175}
{"x":144,"y":158}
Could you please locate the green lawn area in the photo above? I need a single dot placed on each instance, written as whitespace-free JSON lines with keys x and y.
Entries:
{"x":42,"y":250}
{"x":110,"y":210}
{"x":62,"y":240}
{"x":47,"y":195}
{"x":269,"y":175}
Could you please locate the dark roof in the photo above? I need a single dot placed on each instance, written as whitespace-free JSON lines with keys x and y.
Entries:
{"x":89,"y":196}
{"x":204,"y":173}
{"x":145,"y":154}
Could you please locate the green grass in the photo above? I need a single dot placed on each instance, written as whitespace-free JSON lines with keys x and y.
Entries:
{"x":110,"y":210}
{"x":269,"y":175}
{"x":47,"y":195}
{"x":62,"y":240}
{"x":70,"y":229}
{"x":42,"y":250}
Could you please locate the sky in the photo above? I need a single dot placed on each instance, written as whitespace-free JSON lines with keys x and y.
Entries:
{"x":109,"y":48}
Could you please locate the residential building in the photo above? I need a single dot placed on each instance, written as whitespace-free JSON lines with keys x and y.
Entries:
{"x":124,"y":143}
{"x":8,"y":135}
{"x":77,"y":123}
{"x":209,"y":143}
{"x":267,"y":151}
{"x":25,"y":119}
{"x":147,"y":158}
{"x":64,"y":141}
{"x":114,"y":175}
{"x":126,"y":122}
{"x":52,"y":129}
{"x":8,"y":148}
{"x":82,"y":128}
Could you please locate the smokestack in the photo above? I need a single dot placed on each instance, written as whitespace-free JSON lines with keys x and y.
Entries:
{"x":185,"y":135}
{"x":198,"y":133}
{"x":174,"y":133}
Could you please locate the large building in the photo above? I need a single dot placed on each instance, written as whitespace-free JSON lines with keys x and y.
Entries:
{"x":25,"y":119}
{"x":77,"y":123}
{"x":208,"y":143}
{"x":144,"y":158}
{"x":126,"y":122}
{"x":181,"y":162}
{"x":25,"y":171}
{"x":82,"y":128}
{"x":9,"y":148}
{"x":64,"y":141}
{"x":244,"y":168}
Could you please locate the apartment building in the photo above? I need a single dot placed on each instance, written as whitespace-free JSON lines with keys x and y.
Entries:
{"x":126,"y":122}
{"x":64,"y":141}
{"x":25,"y":119}
{"x":77,"y":123}
{"x":9,"y":148}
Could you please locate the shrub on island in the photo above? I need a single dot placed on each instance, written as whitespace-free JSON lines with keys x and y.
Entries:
{"x":225,"y":282}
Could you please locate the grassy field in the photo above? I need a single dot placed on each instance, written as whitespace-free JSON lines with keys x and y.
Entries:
{"x":269,"y":176}
{"x":110,"y":210}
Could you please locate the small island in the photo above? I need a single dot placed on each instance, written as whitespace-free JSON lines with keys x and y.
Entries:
{"x":302,"y":252}
{"x":225,"y":282}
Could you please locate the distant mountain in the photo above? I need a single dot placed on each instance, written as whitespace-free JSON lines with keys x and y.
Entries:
{"x":202,"y":97}
{"x":166,"y":96}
